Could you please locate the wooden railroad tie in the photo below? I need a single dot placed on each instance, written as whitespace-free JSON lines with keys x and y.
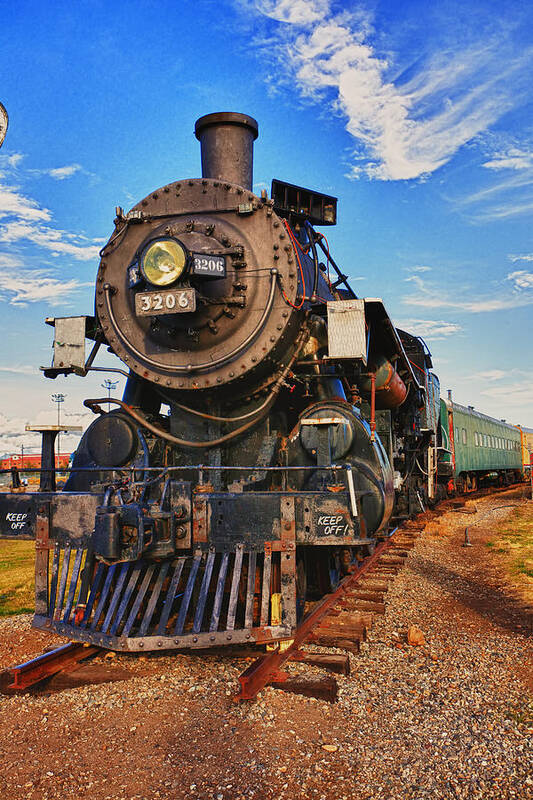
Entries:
{"x":329,"y":640}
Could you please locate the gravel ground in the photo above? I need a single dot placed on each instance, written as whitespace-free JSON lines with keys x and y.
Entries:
{"x":449,"y":719}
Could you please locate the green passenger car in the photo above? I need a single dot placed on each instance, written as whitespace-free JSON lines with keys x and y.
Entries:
{"x":482,"y":445}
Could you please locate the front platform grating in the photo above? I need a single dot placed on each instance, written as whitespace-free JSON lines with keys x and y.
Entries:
{"x":202,"y":600}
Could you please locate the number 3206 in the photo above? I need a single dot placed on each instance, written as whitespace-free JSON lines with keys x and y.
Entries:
{"x":177,"y":301}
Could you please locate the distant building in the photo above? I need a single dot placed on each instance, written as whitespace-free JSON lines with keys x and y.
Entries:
{"x":30,"y":461}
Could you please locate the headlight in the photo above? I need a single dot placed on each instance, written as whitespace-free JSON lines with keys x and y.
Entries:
{"x":163,"y":261}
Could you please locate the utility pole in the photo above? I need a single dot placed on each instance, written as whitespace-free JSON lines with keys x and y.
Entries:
{"x":58,"y":398}
{"x":110,"y":386}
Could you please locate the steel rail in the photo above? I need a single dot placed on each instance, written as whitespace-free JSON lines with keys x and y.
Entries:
{"x":268,"y":668}
{"x":48,"y":664}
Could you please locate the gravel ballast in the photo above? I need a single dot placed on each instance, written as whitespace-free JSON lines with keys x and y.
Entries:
{"x":451,"y":718}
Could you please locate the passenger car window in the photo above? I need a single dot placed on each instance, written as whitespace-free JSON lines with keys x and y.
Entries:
{"x":464,"y":436}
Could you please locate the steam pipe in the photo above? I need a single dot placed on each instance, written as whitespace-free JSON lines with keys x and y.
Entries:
{"x":372,"y":406}
{"x":311,"y":235}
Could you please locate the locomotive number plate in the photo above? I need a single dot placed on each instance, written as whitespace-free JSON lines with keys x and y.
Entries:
{"x":208,"y":265}
{"x":171,"y":301}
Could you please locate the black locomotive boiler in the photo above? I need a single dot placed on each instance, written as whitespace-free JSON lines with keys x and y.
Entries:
{"x":273,"y":426}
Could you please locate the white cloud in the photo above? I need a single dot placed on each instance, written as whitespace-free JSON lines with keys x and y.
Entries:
{"x":407,"y":129}
{"x":524,"y":257}
{"x":13,"y":435}
{"x":20,"y":285}
{"x":9,"y":261}
{"x":20,"y":370}
{"x":12,"y":160}
{"x":512,"y":158}
{"x":513,"y":207}
{"x":430,"y":329}
{"x":32,"y":286}
{"x":431,"y":296}
{"x":506,"y":393}
{"x":513,"y":394}
{"x":512,"y":186}
{"x":24,"y":220}
{"x":295,"y":12}
{"x":418,"y":269}
{"x":521,"y":279}
{"x":49,"y":238}
{"x":510,"y":192}
{"x":491,"y":375}
{"x":60,"y":173}
{"x":13,"y":203}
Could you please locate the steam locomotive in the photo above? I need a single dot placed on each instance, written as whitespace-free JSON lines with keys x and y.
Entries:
{"x":273,"y":428}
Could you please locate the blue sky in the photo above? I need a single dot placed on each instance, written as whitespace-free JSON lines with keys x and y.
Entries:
{"x":419,"y":119}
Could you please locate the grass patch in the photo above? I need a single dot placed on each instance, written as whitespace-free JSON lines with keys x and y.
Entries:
{"x":513,"y":539}
{"x":16,"y":577}
{"x":523,"y":715}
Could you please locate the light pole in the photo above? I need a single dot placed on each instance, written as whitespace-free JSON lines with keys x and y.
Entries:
{"x":58,"y":398}
{"x":109,"y":385}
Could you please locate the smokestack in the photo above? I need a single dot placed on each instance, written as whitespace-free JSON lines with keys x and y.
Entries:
{"x":227,"y":145}
{"x":449,"y":395}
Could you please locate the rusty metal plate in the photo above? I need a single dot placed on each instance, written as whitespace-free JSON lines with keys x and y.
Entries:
{"x":69,"y":343}
{"x":17,"y":516}
{"x":72,"y":517}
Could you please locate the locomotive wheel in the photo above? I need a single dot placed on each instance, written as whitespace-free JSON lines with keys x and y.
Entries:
{"x":333,"y":566}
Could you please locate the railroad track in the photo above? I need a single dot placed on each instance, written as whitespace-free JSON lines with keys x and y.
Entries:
{"x":339,"y":620}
